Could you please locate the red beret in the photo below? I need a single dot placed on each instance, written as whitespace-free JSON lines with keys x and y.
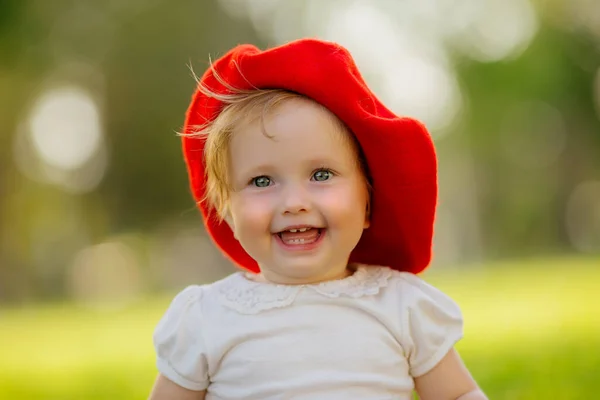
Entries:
{"x":399,"y":152}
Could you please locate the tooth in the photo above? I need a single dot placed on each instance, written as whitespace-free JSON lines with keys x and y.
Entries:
{"x":293,"y":230}
{"x":303,"y":229}
{"x":296,"y":241}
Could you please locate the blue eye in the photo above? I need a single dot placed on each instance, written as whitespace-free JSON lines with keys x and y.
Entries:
{"x":261,"y":181}
{"x":322,"y":175}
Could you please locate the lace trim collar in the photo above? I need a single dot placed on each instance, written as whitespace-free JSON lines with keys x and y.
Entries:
{"x":250,"y":297}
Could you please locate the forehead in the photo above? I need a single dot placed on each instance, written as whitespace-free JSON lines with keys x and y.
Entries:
{"x":297,"y":126}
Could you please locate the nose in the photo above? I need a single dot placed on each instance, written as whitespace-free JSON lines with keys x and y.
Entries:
{"x":295,"y":199}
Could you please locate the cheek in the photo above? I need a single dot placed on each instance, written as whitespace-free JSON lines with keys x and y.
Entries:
{"x":345,"y":205}
{"x":250,"y":212}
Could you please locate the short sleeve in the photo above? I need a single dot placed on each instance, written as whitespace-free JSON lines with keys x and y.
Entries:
{"x":432,"y":323}
{"x":180,"y":349}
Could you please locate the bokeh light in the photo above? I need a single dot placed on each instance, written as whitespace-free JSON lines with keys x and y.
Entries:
{"x":61,"y":141}
{"x":494,"y":30}
{"x":583,"y":217}
{"x":65,"y":127}
{"x":106,"y":275}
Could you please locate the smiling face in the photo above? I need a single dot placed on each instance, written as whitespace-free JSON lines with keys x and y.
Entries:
{"x":298,"y":201}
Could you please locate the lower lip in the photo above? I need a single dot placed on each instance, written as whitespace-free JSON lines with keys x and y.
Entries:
{"x":301,"y":246}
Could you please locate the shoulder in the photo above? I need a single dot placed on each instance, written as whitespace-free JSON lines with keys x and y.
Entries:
{"x":193,"y":298}
{"x":183,"y":310}
{"x":408,"y":280}
{"x":413,"y":288}
{"x":206,"y":291}
{"x":420,"y":304}
{"x":189,"y":294}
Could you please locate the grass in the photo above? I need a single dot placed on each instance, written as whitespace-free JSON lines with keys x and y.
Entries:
{"x":532,"y":332}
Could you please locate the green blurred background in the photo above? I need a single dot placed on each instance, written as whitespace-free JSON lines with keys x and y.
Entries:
{"x":98,"y":229}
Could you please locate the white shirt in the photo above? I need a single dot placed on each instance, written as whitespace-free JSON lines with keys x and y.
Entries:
{"x":365,"y":336}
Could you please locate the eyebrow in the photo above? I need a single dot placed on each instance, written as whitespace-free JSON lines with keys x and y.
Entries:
{"x":328,"y":162}
{"x":259,"y":169}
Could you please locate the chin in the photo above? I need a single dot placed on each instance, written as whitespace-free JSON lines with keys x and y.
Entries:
{"x":306,"y":269}
{"x":301,"y":270}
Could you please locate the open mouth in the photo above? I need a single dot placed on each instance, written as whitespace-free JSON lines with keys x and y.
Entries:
{"x":300,"y":236}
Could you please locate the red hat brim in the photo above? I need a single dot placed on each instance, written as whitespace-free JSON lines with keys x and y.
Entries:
{"x":399,"y":151}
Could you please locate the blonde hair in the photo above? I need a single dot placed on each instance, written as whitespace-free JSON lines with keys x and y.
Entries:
{"x":243,"y":106}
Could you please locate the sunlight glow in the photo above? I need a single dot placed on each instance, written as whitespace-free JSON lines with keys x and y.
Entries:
{"x":496,"y":29}
{"x":413,"y":79}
